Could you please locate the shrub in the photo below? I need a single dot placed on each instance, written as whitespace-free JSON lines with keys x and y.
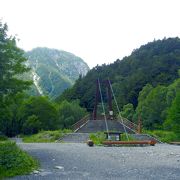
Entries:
{"x":3,"y":137}
{"x":164,"y":136}
{"x":46,"y":136}
{"x":98,"y":137}
{"x":14,"y":161}
{"x":32,"y":125}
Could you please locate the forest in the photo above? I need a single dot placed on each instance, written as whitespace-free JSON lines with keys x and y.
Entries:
{"x":146,"y":85}
{"x":21,"y":113}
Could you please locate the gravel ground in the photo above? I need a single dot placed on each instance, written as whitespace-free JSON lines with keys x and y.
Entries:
{"x":78,"y":161}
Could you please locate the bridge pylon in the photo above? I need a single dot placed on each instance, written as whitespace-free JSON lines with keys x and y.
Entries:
{"x":97,"y":99}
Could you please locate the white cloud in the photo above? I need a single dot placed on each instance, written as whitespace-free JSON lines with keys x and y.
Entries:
{"x":99,"y":31}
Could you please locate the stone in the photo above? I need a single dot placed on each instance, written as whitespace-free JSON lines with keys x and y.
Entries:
{"x":35,"y":172}
{"x":60,"y":167}
{"x":90,"y":143}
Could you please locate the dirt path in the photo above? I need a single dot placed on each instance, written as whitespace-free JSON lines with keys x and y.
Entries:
{"x":78,"y":161}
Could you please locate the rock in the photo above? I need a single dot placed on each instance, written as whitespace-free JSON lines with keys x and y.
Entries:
{"x":41,"y":170}
{"x":35,"y":172}
{"x":45,"y":173}
{"x":59,"y":167}
{"x":90,"y":143}
{"x":74,"y":168}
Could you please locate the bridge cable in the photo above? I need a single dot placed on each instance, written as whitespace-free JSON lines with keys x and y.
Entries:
{"x":118,"y":110}
{"x":104,"y":113}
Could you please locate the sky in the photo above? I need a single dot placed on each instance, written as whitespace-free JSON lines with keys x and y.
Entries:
{"x":98,"y":31}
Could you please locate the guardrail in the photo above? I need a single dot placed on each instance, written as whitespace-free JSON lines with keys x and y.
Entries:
{"x":152,"y":143}
{"x":75,"y":127}
{"x":129,"y":124}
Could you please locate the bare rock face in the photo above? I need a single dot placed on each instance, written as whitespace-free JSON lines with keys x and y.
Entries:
{"x":53,"y":71}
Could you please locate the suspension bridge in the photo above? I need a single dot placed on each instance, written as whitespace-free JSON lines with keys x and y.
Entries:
{"x":105,"y":121}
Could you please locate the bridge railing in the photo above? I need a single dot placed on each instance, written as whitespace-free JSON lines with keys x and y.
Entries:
{"x":80,"y":123}
{"x":129,"y":124}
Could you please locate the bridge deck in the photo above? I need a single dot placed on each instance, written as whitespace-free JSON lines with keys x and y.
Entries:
{"x":93,"y":126}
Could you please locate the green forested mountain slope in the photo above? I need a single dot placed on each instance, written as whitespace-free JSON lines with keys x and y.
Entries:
{"x":53,"y":70}
{"x":156,"y":63}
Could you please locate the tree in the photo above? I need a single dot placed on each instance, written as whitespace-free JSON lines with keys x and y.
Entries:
{"x":32,"y":125}
{"x":12,"y":64}
{"x":69,"y":113}
{"x":173,"y":119}
{"x":141,"y":101}
{"x":173,"y":89}
{"x":156,"y":63}
{"x":128,"y":111}
{"x":43,"y":109}
{"x":5,"y":119}
{"x":152,"y":106}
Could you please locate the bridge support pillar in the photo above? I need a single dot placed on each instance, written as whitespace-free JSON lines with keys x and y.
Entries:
{"x":96,"y":101}
{"x":139,"y":126}
{"x":97,"y":96}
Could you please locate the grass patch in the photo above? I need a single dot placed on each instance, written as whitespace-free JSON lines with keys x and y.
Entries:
{"x":99,"y":137}
{"x":3,"y":138}
{"x":124,"y":138}
{"x":14,"y":161}
{"x":46,"y":136}
{"x":164,"y":136}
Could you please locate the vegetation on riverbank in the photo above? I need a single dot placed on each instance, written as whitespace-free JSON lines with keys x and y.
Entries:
{"x":99,"y":137}
{"x":20,"y":112}
{"x":3,"y":138}
{"x":146,"y":85}
{"x":46,"y":136}
{"x":162,"y":135}
{"x":14,"y":161}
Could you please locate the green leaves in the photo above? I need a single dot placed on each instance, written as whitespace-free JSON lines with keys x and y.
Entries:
{"x":11,"y":64}
{"x":69,"y":113}
{"x":128,"y":111}
{"x":32,"y":125}
{"x":156,"y":63}
{"x":41,"y":111}
{"x":173,"y":119}
{"x":153,"y":104}
{"x":14,"y":161}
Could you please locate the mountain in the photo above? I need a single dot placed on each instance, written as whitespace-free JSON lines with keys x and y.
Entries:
{"x":156,"y":63}
{"x":53,"y":71}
